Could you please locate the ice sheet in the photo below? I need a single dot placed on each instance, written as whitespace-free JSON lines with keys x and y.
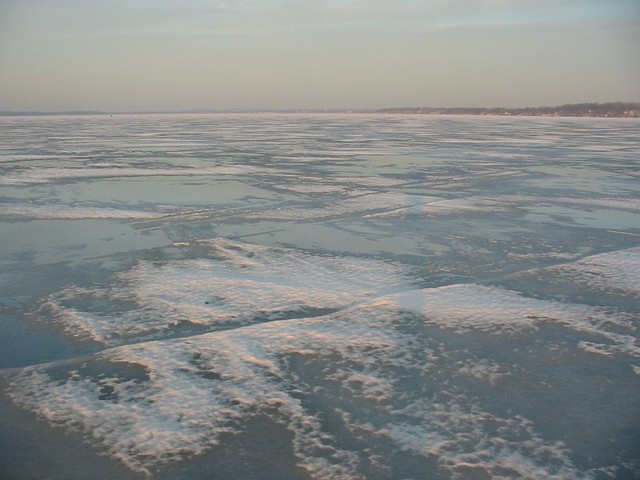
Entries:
{"x":162,"y":401}
{"x":180,"y":397}
{"x":319,"y":296}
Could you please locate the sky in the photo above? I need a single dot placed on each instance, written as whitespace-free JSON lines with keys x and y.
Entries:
{"x":133,"y":55}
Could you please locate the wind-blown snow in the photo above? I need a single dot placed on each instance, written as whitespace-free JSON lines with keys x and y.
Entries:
{"x":236,"y":284}
{"x":165,"y":400}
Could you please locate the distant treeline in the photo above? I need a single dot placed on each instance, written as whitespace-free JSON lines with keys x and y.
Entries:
{"x":616,"y":109}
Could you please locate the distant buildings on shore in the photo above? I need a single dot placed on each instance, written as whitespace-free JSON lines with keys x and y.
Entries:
{"x":614,"y":110}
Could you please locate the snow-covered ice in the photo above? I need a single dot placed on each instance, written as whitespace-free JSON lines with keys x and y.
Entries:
{"x":319,"y":297}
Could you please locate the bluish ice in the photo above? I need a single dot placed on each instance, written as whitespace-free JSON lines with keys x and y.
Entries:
{"x":263,"y":296}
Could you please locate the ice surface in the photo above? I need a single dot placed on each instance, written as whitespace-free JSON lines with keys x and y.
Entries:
{"x":440,"y":206}
{"x":299,"y":297}
{"x":193,"y":391}
{"x":631,"y":204}
{"x":71,"y":213}
{"x":357,"y":202}
{"x":618,"y":270}
{"x":235,"y":284}
{"x":37,"y":175}
{"x":465,"y":308}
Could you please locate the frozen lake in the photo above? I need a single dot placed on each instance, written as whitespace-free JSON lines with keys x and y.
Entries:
{"x":319,"y":297}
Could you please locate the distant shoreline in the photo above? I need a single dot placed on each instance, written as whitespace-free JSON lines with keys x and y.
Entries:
{"x":598,"y":110}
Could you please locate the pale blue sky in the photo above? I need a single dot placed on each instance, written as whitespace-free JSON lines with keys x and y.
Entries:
{"x":120,"y":55}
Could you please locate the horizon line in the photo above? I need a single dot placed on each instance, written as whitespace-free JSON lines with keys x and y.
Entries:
{"x":404,"y":109}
